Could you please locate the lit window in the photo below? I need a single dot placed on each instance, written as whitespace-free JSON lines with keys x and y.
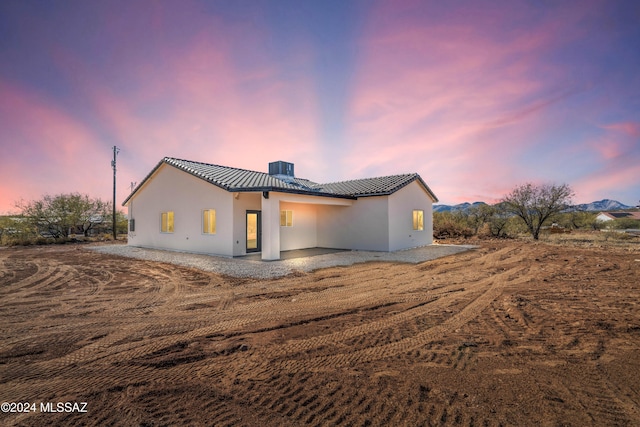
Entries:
{"x":418,"y":220}
{"x":167,"y":222}
{"x":209,"y":221}
{"x":286,"y":218}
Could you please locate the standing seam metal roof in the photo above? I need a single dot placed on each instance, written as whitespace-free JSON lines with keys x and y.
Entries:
{"x":242,"y":180}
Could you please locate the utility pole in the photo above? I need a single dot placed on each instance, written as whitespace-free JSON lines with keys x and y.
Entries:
{"x":116,"y":150}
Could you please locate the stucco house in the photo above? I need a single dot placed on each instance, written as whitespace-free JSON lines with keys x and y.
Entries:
{"x":204,"y":208}
{"x":610,"y":216}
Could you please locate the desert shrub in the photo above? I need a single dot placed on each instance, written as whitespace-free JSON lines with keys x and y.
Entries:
{"x":450,"y":225}
{"x":14,"y":230}
{"x":618,"y":236}
{"x":589,"y":238}
{"x":623,"y":224}
{"x":32,"y":239}
{"x":482,"y":221}
{"x":22,"y":239}
{"x":575,"y":220}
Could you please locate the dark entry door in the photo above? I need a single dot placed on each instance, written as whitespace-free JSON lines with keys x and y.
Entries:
{"x":254,"y":231}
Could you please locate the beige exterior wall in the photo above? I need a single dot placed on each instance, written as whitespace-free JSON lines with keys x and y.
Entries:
{"x":364,"y":225}
{"x":379,"y":223}
{"x":402,"y":203}
{"x":187,"y":196}
{"x":303,"y":233}
{"x":242,"y":202}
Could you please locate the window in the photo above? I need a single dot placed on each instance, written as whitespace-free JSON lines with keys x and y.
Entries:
{"x":132,"y":224}
{"x":167,"y":222}
{"x":209,"y":221}
{"x":286,"y":218}
{"x":418,"y":219}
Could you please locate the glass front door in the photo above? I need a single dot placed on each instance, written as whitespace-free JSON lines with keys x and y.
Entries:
{"x":253,"y":231}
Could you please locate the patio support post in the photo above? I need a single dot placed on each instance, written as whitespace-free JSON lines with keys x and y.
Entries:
{"x":271,"y":227}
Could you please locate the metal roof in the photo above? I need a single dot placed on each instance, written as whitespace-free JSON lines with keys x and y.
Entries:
{"x":379,"y":186}
{"x":242,"y":180}
{"x":622,"y":215}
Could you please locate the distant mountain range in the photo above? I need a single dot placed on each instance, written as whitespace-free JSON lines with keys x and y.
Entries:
{"x":601,"y":205}
{"x":454,"y":208}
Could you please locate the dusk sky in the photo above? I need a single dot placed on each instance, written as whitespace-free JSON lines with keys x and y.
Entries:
{"x":475,"y":96}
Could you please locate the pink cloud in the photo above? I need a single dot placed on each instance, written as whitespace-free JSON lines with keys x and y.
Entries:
{"x":608,"y":182}
{"x":619,"y":168}
{"x":202,"y":105}
{"x":617,"y":143}
{"x":629,"y":129}
{"x":44,"y":149}
{"x":457,"y":100}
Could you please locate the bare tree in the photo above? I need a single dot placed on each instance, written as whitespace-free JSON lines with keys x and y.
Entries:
{"x":536,"y":204}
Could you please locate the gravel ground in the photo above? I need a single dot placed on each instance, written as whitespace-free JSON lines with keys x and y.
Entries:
{"x":272,"y":269}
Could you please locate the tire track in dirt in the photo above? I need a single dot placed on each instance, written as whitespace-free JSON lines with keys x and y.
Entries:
{"x":42,"y":272}
{"x":492,"y":287}
{"x":52,"y":281}
{"x":97,"y":279}
{"x":108,"y":347}
{"x":317,"y":349}
{"x":7,"y":275}
{"x":148,"y":300}
{"x":104,"y":347}
{"x":39,"y":283}
{"x":107,"y":343}
{"x":302,"y":345}
{"x":333,"y":298}
{"x":598,"y":402}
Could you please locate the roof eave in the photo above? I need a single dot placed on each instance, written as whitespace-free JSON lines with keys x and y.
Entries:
{"x":144,"y":181}
{"x":431,"y":194}
{"x":386,"y":193}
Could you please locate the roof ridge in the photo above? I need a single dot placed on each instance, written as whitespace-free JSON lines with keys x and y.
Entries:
{"x":231,"y":171}
{"x":219,"y":166}
{"x":412,"y":174}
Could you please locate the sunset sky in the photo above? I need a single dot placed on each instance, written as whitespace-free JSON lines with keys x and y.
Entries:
{"x":475,"y":96}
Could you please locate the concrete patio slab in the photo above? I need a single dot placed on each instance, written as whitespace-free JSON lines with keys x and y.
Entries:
{"x":256,"y":268}
{"x":296,"y":253}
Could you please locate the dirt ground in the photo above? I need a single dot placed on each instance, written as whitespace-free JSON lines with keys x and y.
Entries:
{"x":511,"y":333}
